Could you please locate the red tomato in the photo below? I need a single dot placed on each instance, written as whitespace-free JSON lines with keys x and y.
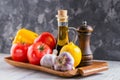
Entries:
{"x":37,"y":51}
{"x":19,"y":52}
{"x":46,"y":38}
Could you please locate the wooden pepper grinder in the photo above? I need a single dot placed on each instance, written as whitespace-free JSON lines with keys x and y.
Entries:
{"x":84,"y":34}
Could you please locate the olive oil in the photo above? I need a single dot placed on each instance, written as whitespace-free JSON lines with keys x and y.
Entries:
{"x":62,"y":37}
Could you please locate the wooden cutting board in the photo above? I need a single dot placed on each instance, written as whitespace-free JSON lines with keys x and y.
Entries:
{"x":96,"y":67}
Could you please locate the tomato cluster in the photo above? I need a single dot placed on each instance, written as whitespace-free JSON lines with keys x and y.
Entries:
{"x":43,"y":44}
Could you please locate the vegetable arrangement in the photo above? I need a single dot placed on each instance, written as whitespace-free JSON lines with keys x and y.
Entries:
{"x":40,"y":50}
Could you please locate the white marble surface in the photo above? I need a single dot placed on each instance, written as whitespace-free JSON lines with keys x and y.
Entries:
{"x":9,"y":72}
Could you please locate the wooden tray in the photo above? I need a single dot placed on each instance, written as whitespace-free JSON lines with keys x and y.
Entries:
{"x":96,"y":67}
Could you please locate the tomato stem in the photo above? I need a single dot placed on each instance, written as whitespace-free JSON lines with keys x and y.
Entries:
{"x":41,"y":48}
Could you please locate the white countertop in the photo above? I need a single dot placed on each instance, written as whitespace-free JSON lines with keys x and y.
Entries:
{"x":9,"y":72}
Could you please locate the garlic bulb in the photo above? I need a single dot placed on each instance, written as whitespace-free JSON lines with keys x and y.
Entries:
{"x":48,"y":60}
{"x":64,"y":62}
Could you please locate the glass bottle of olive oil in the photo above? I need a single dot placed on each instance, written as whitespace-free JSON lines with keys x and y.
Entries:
{"x":62,"y":38}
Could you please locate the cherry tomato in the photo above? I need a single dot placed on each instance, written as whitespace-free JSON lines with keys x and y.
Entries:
{"x":46,"y":38}
{"x":19,"y":52}
{"x":37,"y":51}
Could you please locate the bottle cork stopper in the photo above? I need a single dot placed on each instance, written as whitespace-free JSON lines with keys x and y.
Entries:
{"x":62,"y":13}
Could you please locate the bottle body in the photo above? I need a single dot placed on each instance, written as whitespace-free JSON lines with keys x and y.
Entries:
{"x":62,"y":38}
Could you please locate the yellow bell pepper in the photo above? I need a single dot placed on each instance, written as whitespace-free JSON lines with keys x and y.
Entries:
{"x":25,"y":36}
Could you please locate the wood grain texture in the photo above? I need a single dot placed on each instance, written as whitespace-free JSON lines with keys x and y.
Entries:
{"x":96,"y":67}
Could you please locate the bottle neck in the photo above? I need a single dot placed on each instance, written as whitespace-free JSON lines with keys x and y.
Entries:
{"x":62,"y":21}
{"x":63,"y":24}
